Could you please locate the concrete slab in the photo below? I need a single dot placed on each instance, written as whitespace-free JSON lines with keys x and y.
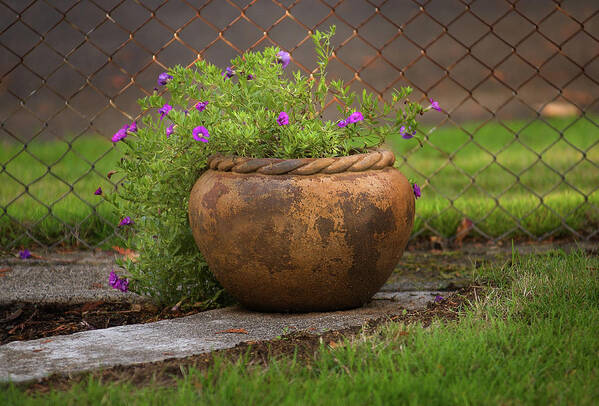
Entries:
{"x":23,"y":361}
{"x":69,"y":278}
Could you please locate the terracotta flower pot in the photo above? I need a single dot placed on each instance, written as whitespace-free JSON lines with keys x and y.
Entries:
{"x":302,"y":234}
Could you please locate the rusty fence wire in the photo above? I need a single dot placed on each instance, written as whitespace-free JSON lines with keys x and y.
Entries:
{"x":514,"y":79}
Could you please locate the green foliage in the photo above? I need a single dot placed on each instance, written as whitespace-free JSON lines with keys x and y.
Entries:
{"x":241,"y":118}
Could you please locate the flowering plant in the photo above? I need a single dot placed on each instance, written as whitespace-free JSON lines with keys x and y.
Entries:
{"x":251,"y":109}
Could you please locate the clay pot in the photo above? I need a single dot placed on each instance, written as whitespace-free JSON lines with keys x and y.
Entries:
{"x":302,"y":234}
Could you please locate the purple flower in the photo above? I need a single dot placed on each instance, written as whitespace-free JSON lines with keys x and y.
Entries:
{"x":283,"y":58}
{"x":114,"y":281}
{"x":169,"y":130}
{"x":229,"y":72}
{"x":132,"y":127}
{"x":126,"y":222}
{"x":250,"y":77}
{"x":201,"y":106}
{"x":405,"y":133}
{"x":98,"y":191}
{"x":416,"y":190}
{"x":439,"y":299}
{"x":355,"y":117}
{"x":434,"y":105}
{"x":121,"y":284}
{"x":164,"y":110}
{"x":112,"y":278}
{"x":164,"y":78}
{"x":342,"y":123}
{"x":120,"y":134}
{"x":201,"y":133}
{"x":283,"y":118}
{"x":25,"y":254}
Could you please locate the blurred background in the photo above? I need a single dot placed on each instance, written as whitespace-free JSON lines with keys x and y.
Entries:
{"x":514,"y":154}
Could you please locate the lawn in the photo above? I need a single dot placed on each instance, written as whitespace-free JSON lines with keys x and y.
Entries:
{"x":529,"y":338}
{"x":557,"y":165}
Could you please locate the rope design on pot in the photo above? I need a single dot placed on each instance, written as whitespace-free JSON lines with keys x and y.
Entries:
{"x":376,"y":159}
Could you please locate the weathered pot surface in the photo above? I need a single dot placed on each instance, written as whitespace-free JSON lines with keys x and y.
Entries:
{"x":302,"y":234}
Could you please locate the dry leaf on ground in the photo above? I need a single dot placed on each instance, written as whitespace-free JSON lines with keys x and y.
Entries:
{"x":234,"y":331}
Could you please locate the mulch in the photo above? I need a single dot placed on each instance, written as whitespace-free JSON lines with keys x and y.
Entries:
{"x":302,"y":345}
{"x":27,"y":321}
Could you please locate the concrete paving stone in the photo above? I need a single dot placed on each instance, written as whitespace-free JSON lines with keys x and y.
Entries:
{"x":71,"y":278}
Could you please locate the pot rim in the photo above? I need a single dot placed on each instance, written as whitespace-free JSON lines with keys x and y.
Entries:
{"x":373,"y":160}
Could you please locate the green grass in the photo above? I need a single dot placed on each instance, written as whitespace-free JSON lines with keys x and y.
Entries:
{"x":531,"y":339}
{"x":494,"y":201}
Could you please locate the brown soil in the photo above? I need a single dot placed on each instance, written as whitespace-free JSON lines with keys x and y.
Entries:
{"x":26,"y":321}
{"x":258,"y":353}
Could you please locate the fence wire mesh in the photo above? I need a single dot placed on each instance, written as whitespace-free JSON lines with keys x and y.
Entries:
{"x":518,"y":82}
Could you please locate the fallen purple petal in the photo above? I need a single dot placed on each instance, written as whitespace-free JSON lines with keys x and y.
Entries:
{"x":112,"y":278}
{"x":115,"y":282}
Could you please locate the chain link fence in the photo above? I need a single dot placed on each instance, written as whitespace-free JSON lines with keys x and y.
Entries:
{"x":518,"y":82}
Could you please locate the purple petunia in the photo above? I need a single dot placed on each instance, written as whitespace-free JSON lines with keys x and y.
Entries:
{"x":201,"y":106}
{"x":416,"y":190}
{"x":283,"y":118}
{"x":164,"y":78}
{"x":25,"y":254}
{"x":355,"y":117}
{"x":164,"y":110}
{"x":126,"y":222}
{"x":98,"y":191}
{"x":283,"y":58}
{"x":132,"y":127}
{"x":114,"y":281}
{"x":434,"y":105}
{"x":406,"y":134}
{"x":201,"y":133}
{"x":169,"y":130}
{"x":112,"y":278}
{"x":120,"y":134}
{"x":342,"y":123}
{"x":229,"y":72}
